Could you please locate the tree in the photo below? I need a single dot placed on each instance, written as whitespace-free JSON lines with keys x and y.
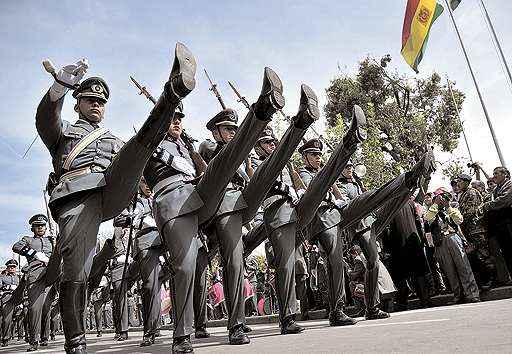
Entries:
{"x":403,"y":115}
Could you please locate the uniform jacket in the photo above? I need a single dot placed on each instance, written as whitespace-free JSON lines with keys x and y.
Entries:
{"x":327,"y":214}
{"x":233,"y":199}
{"x":60,"y":137}
{"x":172,"y":158}
{"x":28,"y":246}
{"x":470,"y":201}
{"x":500,"y":208}
{"x":8,"y":283}
{"x":281,"y":210}
{"x":146,"y":232}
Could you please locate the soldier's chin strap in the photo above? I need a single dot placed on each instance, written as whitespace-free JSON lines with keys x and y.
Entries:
{"x":221,"y":136}
{"x":309,"y":163}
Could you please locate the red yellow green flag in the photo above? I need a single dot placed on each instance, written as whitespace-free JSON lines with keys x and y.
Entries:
{"x":419,"y":18}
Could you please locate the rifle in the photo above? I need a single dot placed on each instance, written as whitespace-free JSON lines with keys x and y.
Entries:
{"x":213,"y":88}
{"x":187,"y":139}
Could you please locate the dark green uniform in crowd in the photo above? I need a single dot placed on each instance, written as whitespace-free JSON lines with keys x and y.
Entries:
{"x":95,"y":174}
{"x":37,"y":250}
{"x":473,"y":228}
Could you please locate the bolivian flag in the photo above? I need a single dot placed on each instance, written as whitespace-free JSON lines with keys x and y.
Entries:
{"x":419,"y":17}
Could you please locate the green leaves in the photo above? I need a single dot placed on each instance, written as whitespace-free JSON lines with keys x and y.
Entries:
{"x":403,"y":113}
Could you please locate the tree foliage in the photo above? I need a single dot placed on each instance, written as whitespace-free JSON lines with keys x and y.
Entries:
{"x":403,"y":115}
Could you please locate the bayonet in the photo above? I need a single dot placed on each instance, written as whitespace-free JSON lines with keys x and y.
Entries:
{"x":213,"y":88}
{"x":240,"y":97}
{"x":143,"y":90}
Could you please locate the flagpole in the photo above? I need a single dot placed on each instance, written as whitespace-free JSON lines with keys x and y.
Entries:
{"x":495,"y":36}
{"x":458,"y":117}
{"x":489,"y":123}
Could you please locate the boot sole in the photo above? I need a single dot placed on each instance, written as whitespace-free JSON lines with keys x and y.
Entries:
{"x":309,"y":98}
{"x":276,"y":88}
{"x":360,"y":120}
{"x":183,"y":70}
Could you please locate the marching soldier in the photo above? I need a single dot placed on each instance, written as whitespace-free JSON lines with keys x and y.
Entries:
{"x":470,"y":200}
{"x":146,"y":252}
{"x":99,"y":298}
{"x":9,"y":299}
{"x":285,"y":220}
{"x":180,"y":207}
{"x":244,"y":196}
{"x":95,"y":175}
{"x":37,"y":250}
{"x":120,"y":284}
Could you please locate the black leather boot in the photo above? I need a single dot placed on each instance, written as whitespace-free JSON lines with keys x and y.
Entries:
{"x":421,"y":170}
{"x":76,"y":345}
{"x":246,"y":328}
{"x":289,"y":326}
{"x":237,"y":335}
{"x":181,"y":83}
{"x":147,"y":340}
{"x":33,"y":347}
{"x":339,"y":318}
{"x":308,"y":108}
{"x":182,"y":345}
{"x":376,"y":314}
{"x":357,"y":130}
{"x":271,"y":97}
{"x":122,"y":336}
{"x":201,"y":332}
{"x":72,"y":306}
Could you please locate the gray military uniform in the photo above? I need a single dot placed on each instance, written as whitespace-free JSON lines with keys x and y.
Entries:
{"x":145,"y":252}
{"x":106,"y":175}
{"x":180,"y":207}
{"x":240,"y":204}
{"x":35,"y":271}
{"x":120,"y":286}
{"x":9,"y":299}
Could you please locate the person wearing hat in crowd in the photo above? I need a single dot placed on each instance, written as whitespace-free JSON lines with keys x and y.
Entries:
{"x":473,"y":228}
{"x":244,"y":197}
{"x":9,"y":281}
{"x":182,"y":204}
{"x":96,"y":175}
{"x":443,"y":221}
{"x":499,"y":213}
{"x":37,"y":249}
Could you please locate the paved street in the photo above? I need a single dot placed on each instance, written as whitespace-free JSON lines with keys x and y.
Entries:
{"x":484,"y":328}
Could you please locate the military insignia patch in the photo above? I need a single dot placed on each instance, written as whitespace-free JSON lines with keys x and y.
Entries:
{"x":97,"y":88}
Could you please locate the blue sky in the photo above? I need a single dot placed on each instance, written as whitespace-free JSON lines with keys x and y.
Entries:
{"x":303,"y":41}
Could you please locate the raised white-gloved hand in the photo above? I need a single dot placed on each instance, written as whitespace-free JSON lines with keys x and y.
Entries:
{"x":41,"y":257}
{"x":71,"y":75}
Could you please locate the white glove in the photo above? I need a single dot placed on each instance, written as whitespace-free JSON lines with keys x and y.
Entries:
{"x":103,"y":282}
{"x":70,"y":74}
{"x":161,"y":259}
{"x":122,"y":258}
{"x":41,"y":257}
